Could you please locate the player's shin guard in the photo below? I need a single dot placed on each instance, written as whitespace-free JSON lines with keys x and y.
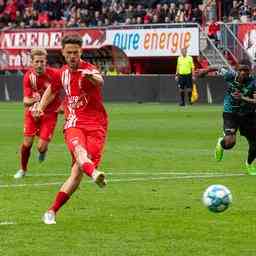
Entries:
{"x":60,"y":200}
{"x":25,"y":154}
{"x":88,"y":168}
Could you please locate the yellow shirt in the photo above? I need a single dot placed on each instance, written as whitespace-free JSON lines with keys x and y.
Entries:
{"x":185,"y":65}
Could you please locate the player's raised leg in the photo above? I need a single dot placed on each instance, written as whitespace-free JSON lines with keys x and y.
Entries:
{"x":76,"y":140}
{"x":24,"y":156}
{"x":67,"y":189}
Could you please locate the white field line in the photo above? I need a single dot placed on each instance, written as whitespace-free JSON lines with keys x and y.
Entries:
{"x":131,"y":180}
{"x":179,"y":177}
{"x":7,"y":223}
{"x":131,"y":173}
{"x":31,"y":184}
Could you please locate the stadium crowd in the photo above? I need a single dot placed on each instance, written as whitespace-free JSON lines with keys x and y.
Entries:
{"x":91,"y":13}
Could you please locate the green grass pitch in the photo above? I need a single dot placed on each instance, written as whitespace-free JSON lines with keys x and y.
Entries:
{"x":159,"y":160}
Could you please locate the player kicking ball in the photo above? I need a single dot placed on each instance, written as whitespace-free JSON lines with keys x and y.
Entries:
{"x":35,"y":82}
{"x":86,"y":121}
{"x":239,"y":112}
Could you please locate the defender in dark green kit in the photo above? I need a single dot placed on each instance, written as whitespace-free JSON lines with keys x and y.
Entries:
{"x":239,"y":112}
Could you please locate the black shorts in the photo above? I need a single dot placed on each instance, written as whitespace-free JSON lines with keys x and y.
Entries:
{"x":185,"y":81}
{"x":245,"y":123}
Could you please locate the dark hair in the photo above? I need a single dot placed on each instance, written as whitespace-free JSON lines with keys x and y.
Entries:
{"x":72,"y":39}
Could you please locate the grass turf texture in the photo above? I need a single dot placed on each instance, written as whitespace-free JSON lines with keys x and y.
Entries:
{"x":158,"y":159}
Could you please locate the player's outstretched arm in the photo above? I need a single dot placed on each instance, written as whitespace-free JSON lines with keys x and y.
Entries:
{"x":93,"y":76}
{"x":46,"y":99}
{"x":96,"y":79}
{"x":29,"y":101}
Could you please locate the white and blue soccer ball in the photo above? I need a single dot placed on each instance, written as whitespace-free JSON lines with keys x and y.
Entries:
{"x":217,"y":198}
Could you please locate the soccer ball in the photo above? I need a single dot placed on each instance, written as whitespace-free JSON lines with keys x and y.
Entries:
{"x":217,"y":198}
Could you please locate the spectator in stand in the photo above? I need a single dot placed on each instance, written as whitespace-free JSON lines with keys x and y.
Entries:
{"x":167,"y":20}
{"x":112,"y":15}
{"x":28,"y":15}
{"x":245,"y":12}
{"x":85,"y":17}
{"x":210,"y":8}
{"x":72,"y":23}
{"x":139,"y":12}
{"x":197,"y":15}
{"x":95,"y":19}
{"x":180,"y":14}
{"x":120,"y":14}
{"x":234,"y":12}
{"x":157,"y":11}
{"x":187,"y":13}
{"x":214,"y":31}
{"x":164,"y":12}
{"x":129,"y":12}
{"x":106,"y":22}
{"x":9,"y":12}
{"x":148,"y":17}
{"x":155,"y":19}
{"x":128,"y":21}
{"x":79,"y":4}
{"x":55,"y":12}
{"x":172,"y":12}
{"x":104,"y":13}
{"x":95,"y":4}
{"x":196,"y":3}
{"x":139,"y":20}
{"x":19,"y":18}
{"x":43,"y":19}
{"x":21,"y":4}
{"x":2,"y":5}
{"x":65,"y":8}
{"x":41,"y":6}
{"x":84,"y":13}
{"x":254,"y":14}
{"x":226,"y":6}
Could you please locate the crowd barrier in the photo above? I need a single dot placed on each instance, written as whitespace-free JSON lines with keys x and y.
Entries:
{"x":144,"y":88}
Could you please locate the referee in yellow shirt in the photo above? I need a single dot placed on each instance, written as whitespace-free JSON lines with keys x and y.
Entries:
{"x":185,"y":75}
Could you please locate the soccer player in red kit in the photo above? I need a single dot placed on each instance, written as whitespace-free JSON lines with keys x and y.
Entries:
{"x":35,"y":82}
{"x":86,"y":122}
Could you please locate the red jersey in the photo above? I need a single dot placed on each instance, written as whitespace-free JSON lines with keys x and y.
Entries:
{"x":213,"y":28}
{"x":83,"y":104}
{"x":35,"y":85}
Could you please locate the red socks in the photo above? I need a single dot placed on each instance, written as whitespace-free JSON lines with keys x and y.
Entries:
{"x":88,"y":168}
{"x":60,"y":199}
{"x":25,"y":153}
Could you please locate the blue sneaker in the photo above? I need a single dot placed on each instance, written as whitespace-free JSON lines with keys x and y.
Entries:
{"x":41,"y":156}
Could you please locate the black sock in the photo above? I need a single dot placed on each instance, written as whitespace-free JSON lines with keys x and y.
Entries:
{"x":182,"y":98}
{"x":189,"y":96}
